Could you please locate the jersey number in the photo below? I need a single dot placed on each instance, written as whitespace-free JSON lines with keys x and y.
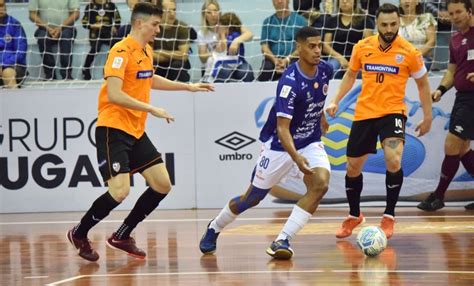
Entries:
{"x":398,"y":123}
{"x":379,"y":77}
{"x":264,"y":162}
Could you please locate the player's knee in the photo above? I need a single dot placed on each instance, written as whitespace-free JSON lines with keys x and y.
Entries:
{"x":251,"y":199}
{"x":394,"y":164}
{"x":161,"y":186}
{"x":119,"y":193}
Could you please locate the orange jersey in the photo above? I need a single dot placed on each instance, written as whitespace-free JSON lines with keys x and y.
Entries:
{"x":133,"y":64}
{"x":384,"y":75}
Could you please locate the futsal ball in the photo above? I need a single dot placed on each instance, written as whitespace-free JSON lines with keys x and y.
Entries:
{"x":371,"y":240}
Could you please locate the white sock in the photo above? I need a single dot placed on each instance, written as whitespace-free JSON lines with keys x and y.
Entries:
{"x":225,"y":217}
{"x":297,"y":220}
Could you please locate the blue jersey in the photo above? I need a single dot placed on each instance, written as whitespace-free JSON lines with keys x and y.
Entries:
{"x":301,"y":99}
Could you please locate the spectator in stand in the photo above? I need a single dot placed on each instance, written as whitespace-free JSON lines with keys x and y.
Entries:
{"x":13,"y":48}
{"x":55,"y":21}
{"x":222,"y":65}
{"x":370,"y":7}
{"x":278,"y":40}
{"x":342,"y":32}
{"x":171,"y":46}
{"x":418,"y":28}
{"x":102,"y":18}
{"x":207,"y":36}
{"x":311,"y":10}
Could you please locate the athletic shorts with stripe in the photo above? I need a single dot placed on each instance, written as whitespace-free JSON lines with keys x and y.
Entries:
{"x":365,"y":133}
{"x":119,"y":152}
{"x":274,"y":167}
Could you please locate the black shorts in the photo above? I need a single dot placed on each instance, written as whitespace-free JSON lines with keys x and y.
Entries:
{"x":364,"y":133}
{"x":119,"y":152}
{"x":461,"y":122}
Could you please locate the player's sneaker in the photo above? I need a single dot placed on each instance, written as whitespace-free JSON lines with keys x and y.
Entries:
{"x":431,"y":203}
{"x":469,"y":207}
{"x":348,"y":226}
{"x":83,"y":247}
{"x":386,"y":224}
{"x":207,"y":245}
{"x":128,"y":246}
{"x":280,"y":249}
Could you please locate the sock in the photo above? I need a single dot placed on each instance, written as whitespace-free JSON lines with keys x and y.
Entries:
{"x":297,"y":220}
{"x":353,"y":190}
{"x":393,"y":184}
{"x":448,"y":169}
{"x":97,"y":212}
{"x":145,"y":204}
{"x":224,"y":218}
{"x":468,"y":162}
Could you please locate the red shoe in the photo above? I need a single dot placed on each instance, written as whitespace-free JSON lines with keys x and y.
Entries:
{"x":386,"y":224}
{"x":83,"y":247}
{"x":348,"y":226}
{"x":126,"y":245}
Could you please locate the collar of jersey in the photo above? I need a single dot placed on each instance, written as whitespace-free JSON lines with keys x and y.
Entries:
{"x":133,"y":43}
{"x":303,"y":74}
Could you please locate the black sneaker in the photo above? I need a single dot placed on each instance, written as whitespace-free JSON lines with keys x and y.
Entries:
{"x":469,"y":207}
{"x":431,"y":203}
{"x":83,"y":247}
{"x":208,"y":242}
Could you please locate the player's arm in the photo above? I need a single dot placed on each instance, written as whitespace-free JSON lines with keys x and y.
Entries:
{"x":446,"y":83}
{"x":117,"y":96}
{"x":345,"y":86}
{"x":283,"y":129}
{"x":162,"y":83}
{"x":424,"y":93}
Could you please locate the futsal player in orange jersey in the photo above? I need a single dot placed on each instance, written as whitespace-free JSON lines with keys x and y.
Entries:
{"x":123,"y":147}
{"x":386,"y":61}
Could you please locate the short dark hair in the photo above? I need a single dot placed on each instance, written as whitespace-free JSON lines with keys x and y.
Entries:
{"x":145,"y":9}
{"x":307,"y":32}
{"x":387,"y":8}
{"x":467,"y":3}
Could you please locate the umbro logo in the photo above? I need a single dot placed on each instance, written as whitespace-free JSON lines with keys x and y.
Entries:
{"x":235,"y":141}
{"x":458,"y":129}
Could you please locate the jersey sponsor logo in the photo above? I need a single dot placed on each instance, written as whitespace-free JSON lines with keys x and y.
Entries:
{"x":285,"y":90}
{"x":291,"y":76}
{"x":381,"y":68}
{"x":145,"y":74}
{"x":117,"y":62}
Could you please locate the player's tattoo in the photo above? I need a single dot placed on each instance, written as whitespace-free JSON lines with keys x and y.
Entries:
{"x":393,"y":143}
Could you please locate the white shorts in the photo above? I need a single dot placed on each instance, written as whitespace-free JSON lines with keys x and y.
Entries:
{"x":274,"y":167}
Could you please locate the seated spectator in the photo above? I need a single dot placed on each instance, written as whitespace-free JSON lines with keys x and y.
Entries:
{"x":370,"y":7}
{"x":278,"y":40}
{"x":13,"y":47}
{"x":207,"y":36}
{"x":55,"y":21}
{"x":418,"y":28}
{"x":342,"y":32}
{"x":224,"y":65}
{"x":311,"y":10}
{"x":171,"y":46}
{"x":102,"y":18}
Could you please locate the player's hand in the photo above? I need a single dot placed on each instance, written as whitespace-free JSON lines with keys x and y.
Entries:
{"x":436,"y":96}
{"x":200,"y":87}
{"x":470,"y":77}
{"x":332,"y":109}
{"x":423,"y":127}
{"x":161,"y":113}
{"x":303,"y":165}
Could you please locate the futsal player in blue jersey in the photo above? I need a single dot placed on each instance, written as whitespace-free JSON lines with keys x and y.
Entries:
{"x":291,"y":146}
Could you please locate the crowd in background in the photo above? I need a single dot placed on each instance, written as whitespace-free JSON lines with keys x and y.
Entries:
{"x":220,"y":38}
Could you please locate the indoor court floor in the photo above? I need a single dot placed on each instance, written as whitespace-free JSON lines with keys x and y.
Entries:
{"x":426,"y":249}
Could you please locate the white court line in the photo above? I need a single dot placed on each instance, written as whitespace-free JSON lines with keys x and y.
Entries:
{"x":35,"y":277}
{"x":238,"y":219}
{"x":256,"y":272}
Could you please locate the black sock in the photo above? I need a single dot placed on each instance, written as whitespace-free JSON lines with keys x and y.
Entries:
{"x":147,"y":202}
{"x":97,"y":212}
{"x":353,"y":190}
{"x":393,"y":183}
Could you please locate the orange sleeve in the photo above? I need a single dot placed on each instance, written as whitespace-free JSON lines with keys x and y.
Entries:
{"x":116,"y":63}
{"x":354,"y":63}
{"x":417,"y":64}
